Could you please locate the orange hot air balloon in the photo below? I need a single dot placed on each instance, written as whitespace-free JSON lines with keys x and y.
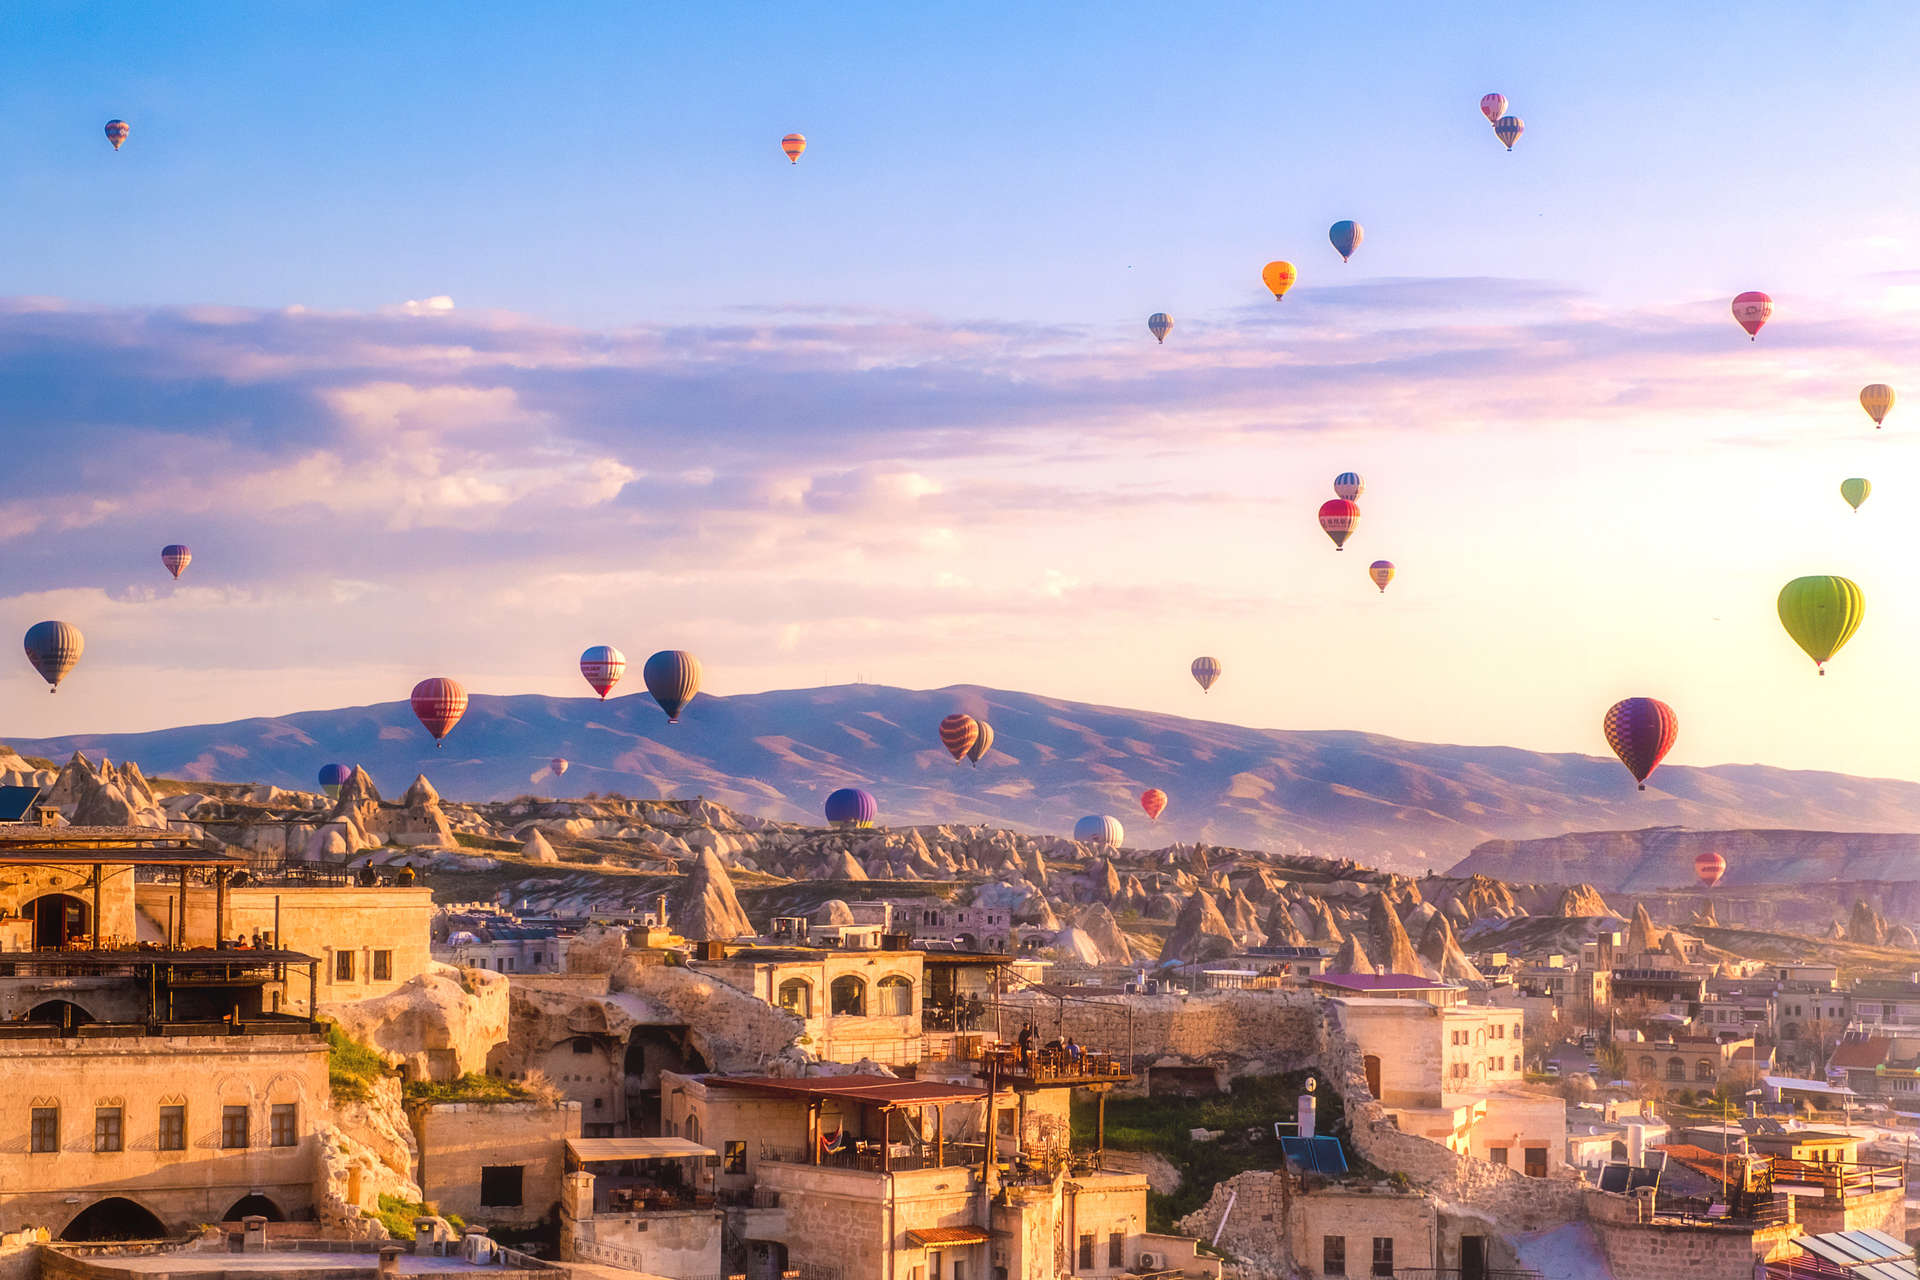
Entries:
{"x":1709,"y":867}
{"x":1278,"y":277}
{"x":958,"y":733}
{"x":1153,"y":800}
{"x":794,"y":144}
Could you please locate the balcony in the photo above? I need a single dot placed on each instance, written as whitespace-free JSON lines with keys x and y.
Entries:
{"x":867,"y":1157}
{"x":1051,"y":1067}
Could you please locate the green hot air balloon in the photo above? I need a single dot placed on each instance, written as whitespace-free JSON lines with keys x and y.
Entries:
{"x":1855,"y":491}
{"x":1821,"y":614}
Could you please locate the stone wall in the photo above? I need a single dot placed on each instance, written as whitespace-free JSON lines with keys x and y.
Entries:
{"x":441,"y":1025}
{"x":367,"y":1152}
{"x":1880,"y":1210}
{"x":1638,"y":1250}
{"x":734,"y":1032}
{"x":459,"y":1139}
{"x":1279,"y":1028}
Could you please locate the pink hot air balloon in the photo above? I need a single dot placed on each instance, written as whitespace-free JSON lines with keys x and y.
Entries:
{"x":1709,"y":867}
{"x":1493,"y":106}
{"x":603,"y":665}
{"x":1753,"y":309}
{"x":176,"y":557}
{"x":439,"y":703}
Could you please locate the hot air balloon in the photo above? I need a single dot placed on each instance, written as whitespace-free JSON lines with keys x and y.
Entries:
{"x":1099,"y":829}
{"x":1493,"y":106}
{"x":332,"y":778}
{"x":439,"y":703}
{"x":1709,"y":867}
{"x":1821,"y":613}
{"x":1876,"y":398}
{"x":1339,"y":518}
{"x":1159,"y":324}
{"x":982,"y":743}
{"x":1153,"y":800}
{"x":1349,"y":485}
{"x":53,"y":648}
{"x":673,"y":677}
{"x":1206,"y":671}
{"x":1346,"y":236}
{"x":176,"y":557}
{"x":1278,"y":277}
{"x":560,"y":765}
{"x":1753,"y":309}
{"x":1855,"y":491}
{"x":1381,"y":571}
{"x":1508,"y":129}
{"x":1641,"y":732}
{"x":958,"y":732}
{"x":851,"y":807}
{"x":794,"y":144}
{"x":117,"y":131}
{"x":603,"y":665}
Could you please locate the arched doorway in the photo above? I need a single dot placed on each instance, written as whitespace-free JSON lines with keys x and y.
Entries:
{"x":58,"y":919}
{"x":115,"y":1218}
{"x":61,"y":1013}
{"x":651,"y":1050}
{"x":254,"y":1206}
{"x":1372,"y":1064}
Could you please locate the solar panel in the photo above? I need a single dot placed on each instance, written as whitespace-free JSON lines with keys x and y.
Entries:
{"x":1299,"y":1151}
{"x":1879,"y":1242}
{"x":1895,"y":1270}
{"x":1328,"y":1155}
{"x":15,"y":802}
{"x":1614,"y":1178}
{"x":1638,"y":1177}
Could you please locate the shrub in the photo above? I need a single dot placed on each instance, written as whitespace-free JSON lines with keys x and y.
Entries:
{"x":352,"y":1067}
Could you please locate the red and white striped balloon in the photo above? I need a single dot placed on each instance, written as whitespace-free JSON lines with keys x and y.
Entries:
{"x":1709,"y":867}
{"x":439,"y":703}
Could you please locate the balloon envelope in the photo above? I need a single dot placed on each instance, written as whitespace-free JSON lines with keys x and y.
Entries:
{"x":1493,"y":106}
{"x":560,"y":765}
{"x":794,"y":144}
{"x":603,"y":665}
{"x":852,"y":807}
{"x":1346,"y":236}
{"x":1339,"y":518}
{"x":53,"y":648}
{"x":1099,"y":829}
{"x":1876,"y":398}
{"x":1855,"y":491}
{"x":1154,"y":801}
{"x":1753,"y":309}
{"x":1709,"y":867}
{"x":117,"y":131}
{"x":332,"y":778}
{"x":1821,"y":613}
{"x":176,"y":557}
{"x":439,"y":703}
{"x":1641,"y":732}
{"x":958,"y":733}
{"x":982,"y":742}
{"x":1278,"y":277}
{"x":1349,"y":485}
{"x":1206,"y":671}
{"x":1381,"y":571}
{"x":1159,"y":324}
{"x":1508,"y":129}
{"x":673,"y":677}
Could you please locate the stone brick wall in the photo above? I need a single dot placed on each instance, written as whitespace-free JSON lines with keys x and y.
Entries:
{"x":1663,"y":1250}
{"x":458,"y":1139}
{"x":1281,"y":1028}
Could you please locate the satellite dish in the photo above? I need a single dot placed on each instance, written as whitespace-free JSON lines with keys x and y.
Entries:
{"x":1312,"y":1084}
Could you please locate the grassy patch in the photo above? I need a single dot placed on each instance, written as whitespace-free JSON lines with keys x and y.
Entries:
{"x":1161,"y":1125}
{"x":352,"y":1068}
{"x":471,"y":1087}
{"x":491,"y":844}
{"x":397,"y":1216}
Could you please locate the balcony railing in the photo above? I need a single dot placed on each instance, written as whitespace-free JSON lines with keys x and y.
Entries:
{"x":867,"y":1157}
{"x":1464,"y":1273}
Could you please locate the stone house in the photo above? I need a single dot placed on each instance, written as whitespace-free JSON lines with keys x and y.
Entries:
{"x":853,"y":1004}
{"x":499,"y":1164}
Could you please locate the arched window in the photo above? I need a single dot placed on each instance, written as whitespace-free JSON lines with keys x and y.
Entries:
{"x":796,"y":996}
{"x":849,"y":995}
{"x":693,"y":1128}
{"x":1676,"y":1069}
{"x":896,"y":997}
{"x":1646,"y":1066}
{"x":1703,"y":1070}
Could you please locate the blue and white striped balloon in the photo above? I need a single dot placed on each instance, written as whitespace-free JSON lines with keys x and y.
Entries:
{"x":1349,"y":485}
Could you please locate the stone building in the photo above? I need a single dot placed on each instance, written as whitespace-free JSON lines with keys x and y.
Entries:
{"x":499,"y":1164}
{"x":853,"y":1003}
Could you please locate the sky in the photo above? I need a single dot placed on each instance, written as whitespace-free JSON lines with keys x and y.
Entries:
{"x":454,"y":341}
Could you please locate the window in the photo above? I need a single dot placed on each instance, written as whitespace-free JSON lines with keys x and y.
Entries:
{"x":896,"y":997}
{"x":343,"y":966}
{"x":796,"y":997}
{"x":693,"y":1128}
{"x":1676,"y":1069}
{"x":1383,"y":1255}
{"x":1536,"y":1162}
{"x":1086,"y":1251}
{"x":1333,"y":1255}
{"x":46,"y":1129}
{"x":582,"y":1045}
{"x":1500,"y":1032}
{"x":233,"y":1127}
{"x":1703,"y":1070}
{"x":1116,"y":1249}
{"x":106,"y":1128}
{"x":1646,"y":1066}
{"x":282,"y":1129}
{"x":1497,"y":1155}
{"x":1516,"y":1031}
{"x":173,"y":1128}
{"x":500,"y":1185}
{"x":383,"y":966}
{"x":933,"y":1266}
{"x":1008,"y":1117}
{"x":849,"y":997}
{"x":735,"y":1158}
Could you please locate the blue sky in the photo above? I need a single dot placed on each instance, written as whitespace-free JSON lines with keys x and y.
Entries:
{"x":894,"y":412}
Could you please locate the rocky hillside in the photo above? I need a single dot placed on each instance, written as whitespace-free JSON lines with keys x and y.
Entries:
{"x":1656,"y":858}
{"x":1392,"y":803}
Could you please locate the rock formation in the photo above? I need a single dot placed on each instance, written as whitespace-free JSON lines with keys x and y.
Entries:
{"x":1581,"y":900}
{"x":1352,"y":958}
{"x":537,"y":848}
{"x":1387,"y":941}
{"x":1867,"y":926}
{"x":707,"y":907}
{"x":1201,"y":933}
{"x":1440,"y":949}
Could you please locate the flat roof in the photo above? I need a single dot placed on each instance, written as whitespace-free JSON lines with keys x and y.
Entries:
{"x":1380,"y":982}
{"x":183,"y":958}
{"x":873,"y":1091}
{"x":925,"y":1236}
{"x":600,"y":1150}
{"x":109,"y":846}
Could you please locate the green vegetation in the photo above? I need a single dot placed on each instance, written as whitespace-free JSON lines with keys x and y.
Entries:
{"x":471,"y":1087}
{"x":397,"y":1216}
{"x":1161,"y":1125}
{"x":490,"y":843}
{"x":352,"y":1068}
{"x":39,"y":762}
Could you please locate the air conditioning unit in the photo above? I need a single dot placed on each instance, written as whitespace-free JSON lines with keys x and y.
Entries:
{"x":1152,"y":1262}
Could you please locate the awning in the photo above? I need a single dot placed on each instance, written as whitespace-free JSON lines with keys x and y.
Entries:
{"x":942,"y":1237}
{"x":602,"y":1150}
{"x":875,"y":1091}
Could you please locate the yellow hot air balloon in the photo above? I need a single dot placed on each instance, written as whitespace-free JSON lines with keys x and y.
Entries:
{"x":1876,"y":398}
{"x":1279,"y":277}
{"x":1821,"y":614}
{"x":1855,"y":491}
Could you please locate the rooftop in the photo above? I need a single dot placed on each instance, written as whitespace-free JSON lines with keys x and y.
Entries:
{"x":872,"y":1091}
{"x":114,"y":846}
{"x":1380,"y":982}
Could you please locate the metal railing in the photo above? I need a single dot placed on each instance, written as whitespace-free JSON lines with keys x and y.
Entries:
{"x":1464,"y":1273}
{"x":957,"y":1155}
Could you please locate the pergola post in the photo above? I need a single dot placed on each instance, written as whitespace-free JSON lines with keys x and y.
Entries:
{"x":219,"y":908}
{"x":96,"y":906}
{"x":813,"y":1130}
{"x":939,"y":1136}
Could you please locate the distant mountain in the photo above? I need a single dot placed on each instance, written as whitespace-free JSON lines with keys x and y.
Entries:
{"x":1662,"y":858}
{"x":1405,"y":805}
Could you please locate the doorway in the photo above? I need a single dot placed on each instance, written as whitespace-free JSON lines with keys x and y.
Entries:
{"x":1473,"y":1258}
{"x":1372,"y":1064}
{"x":115,"y":1218}
{"x":57,"y":920}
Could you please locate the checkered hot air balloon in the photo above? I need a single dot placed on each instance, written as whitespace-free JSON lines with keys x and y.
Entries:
{"x":54,"y":649}
{"x":603,"y":665}
{"x":1709,"y":867}
{"x":1753,"y":309}
{"x":439,"y":703}
{"x":1641,"y":732}
{"x":1339,"y":517}
{"x":117,"y":131}
{"x":176,"y":557}
{"x":1206,"y":671}
{"x":958,"y":733}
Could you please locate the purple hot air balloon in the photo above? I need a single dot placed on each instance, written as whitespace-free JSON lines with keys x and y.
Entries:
{"x":332,"y":778}
{"x":176,"y":557}
{"x":852,"y":807}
